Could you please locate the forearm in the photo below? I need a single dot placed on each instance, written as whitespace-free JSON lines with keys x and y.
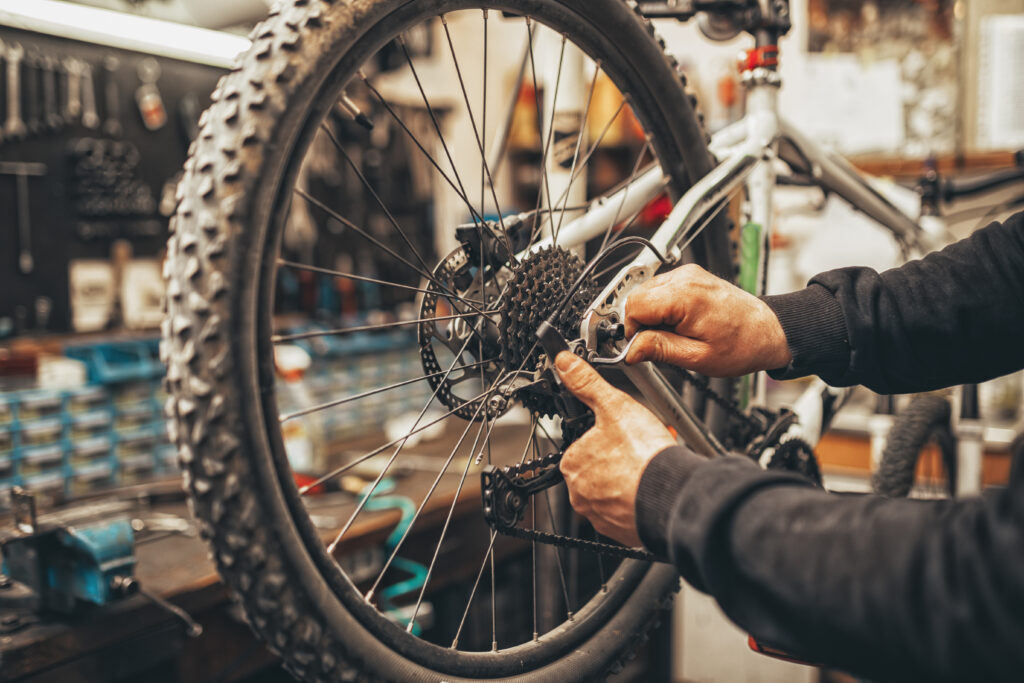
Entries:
{"x":891,"y":589}
{"x":950,"y":318}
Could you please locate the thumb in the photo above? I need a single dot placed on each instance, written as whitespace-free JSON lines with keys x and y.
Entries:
{"x":582,"y":380}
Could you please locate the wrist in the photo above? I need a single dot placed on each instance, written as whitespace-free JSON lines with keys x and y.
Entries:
{"x":660,"y":484}
{"x":815,"y":330}
{"x":777,"y":353}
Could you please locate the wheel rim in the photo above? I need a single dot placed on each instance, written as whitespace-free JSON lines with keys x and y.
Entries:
{"x":468,"y":663}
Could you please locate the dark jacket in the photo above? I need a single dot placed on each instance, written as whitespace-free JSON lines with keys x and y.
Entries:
{"x":889,"y":589}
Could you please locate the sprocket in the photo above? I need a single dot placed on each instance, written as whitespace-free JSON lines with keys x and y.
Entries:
{"x":539,"y":285}
{"x":454,"y":275}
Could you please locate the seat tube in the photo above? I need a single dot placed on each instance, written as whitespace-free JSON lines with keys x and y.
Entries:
{"x":759,"y":68}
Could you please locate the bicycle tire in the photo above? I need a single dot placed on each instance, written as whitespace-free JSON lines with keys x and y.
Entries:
{"x":214,"y":341}
{"x":926,"y":419}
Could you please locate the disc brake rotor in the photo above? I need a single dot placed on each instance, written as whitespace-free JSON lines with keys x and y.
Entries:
{"x":452,"y":323}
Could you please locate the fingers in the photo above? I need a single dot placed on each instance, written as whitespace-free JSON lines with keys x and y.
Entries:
{"x":583,"y":381}
{"x":664,"y":347}
{"x":648,"y":306}
{"x":664,"y":299}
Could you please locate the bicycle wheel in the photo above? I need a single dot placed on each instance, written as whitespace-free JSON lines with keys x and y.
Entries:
{"x":919,"y":459}
{"x":287,"y":136}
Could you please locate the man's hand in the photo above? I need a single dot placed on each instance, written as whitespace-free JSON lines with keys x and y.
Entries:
{"x":603,"y":467}
{"x":704,"y":324}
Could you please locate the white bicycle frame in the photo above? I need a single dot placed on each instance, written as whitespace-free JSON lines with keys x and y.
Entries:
{"x":748,"y":150}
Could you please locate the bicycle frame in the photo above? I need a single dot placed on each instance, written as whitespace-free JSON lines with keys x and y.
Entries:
{"x":748,"y":150}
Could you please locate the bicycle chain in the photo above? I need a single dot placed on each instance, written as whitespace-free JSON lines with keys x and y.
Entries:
{"x":544,"y":465}
{"x":730,"y":406}
{"x":548,"y":538}
{"x":505,"y":491}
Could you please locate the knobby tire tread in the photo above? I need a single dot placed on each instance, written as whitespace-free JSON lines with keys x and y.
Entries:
{"x":203,"y":344}
{"x":927,"y":417}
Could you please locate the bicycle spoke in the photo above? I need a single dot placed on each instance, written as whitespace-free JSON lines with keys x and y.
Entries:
{"x":348,"y":399}
{"x":380,"y":202}
{"x":617,"y":264}
{"x":625,"y":195}
{"x":337,"y":472}
{"x":448,"y":520}
{"x":283,"y":338}
{"x":420,"y":146}
{"x":576,"y":152}
{"x":494,"y":611}
{"x":423,"y":503}
{"x":558,"y":556}
{"x":362,"y":232}
{"x":472,"y":592}
{"x":546,"y":190}
{"x":364,"y":278}
{"x":483,"y":127}
{"x":583,"y":164}
{"x":367,"y":236}
{"x":529,"y":440}
{"x":433,"y":119}
{"x":476,"y":134}
{"x":346,"y":467}
{"x":376,"y":482}
{"x":499,"y":145}
{"x":597,"y":144}
{"x":547,"y":435}
{"x":533,"y":572}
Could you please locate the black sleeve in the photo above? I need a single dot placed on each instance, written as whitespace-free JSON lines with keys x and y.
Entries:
{"x":887,"y":589}
{"x":953,"y":317}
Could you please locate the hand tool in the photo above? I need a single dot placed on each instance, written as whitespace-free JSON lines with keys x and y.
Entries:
{"x":51,"y":116}
{"x":14,"y":127}
{"x":112,"y":125}
{"x":21,"y":172}
{"x":73,"y":104}
{"x":90,"y":119}
{"x":33,"y":105}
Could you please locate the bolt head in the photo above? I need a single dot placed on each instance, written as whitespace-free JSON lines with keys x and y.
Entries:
{"x":497,"y":403}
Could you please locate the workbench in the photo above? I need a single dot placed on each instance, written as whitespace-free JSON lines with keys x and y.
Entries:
{"x":135,"y":638}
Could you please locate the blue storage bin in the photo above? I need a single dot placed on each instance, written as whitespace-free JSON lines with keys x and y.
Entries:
{"x":116,"y":362}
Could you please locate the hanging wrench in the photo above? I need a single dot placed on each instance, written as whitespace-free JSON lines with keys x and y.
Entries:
{"x":73,"y":105}
{"x":33,"y":70}
{"x":51,"y":117}
{"x":21,"y":172}
{"x":90,"y":119}
{"x":112,"y":126}
{"x":25,"y":260}
{"x":14,"y":126}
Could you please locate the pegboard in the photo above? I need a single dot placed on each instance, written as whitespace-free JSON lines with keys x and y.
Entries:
{"x":91,"y":182}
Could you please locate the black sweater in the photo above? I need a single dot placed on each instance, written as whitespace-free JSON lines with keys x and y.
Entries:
{"x":890,"y":589}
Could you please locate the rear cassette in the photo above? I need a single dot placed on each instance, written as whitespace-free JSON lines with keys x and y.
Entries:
{"x":541,"y":283}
